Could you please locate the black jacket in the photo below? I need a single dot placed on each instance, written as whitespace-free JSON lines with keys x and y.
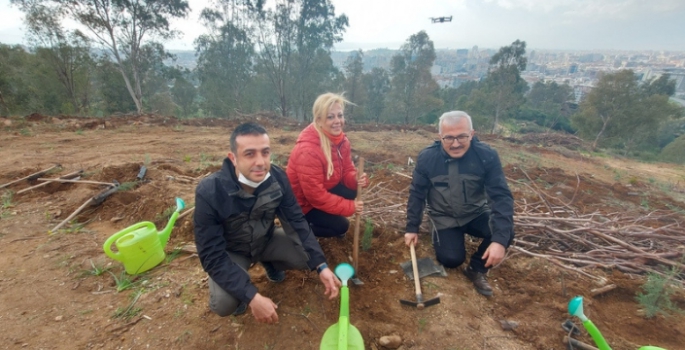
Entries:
{"x":457,"y":190}
{"x":227,"y":218}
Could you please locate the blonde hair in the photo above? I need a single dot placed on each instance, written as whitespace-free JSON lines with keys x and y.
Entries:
{"x":319,"y":112}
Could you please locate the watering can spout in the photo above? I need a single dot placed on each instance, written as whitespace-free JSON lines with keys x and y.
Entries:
{"x":166,"y":232}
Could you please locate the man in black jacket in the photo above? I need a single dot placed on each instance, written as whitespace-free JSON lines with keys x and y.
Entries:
{"x":461,"y":181}
{"x":234,"y":217}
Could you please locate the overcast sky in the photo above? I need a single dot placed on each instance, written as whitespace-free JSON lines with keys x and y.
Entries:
{"x":543,"y":24}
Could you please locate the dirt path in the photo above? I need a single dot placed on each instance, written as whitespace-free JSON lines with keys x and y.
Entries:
{"x":51,"y":296}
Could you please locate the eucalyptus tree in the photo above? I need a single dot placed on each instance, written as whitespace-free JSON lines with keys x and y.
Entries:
{"x":619,"y":113}
{"x":294,"y":39}
{"x":67,"y":52}
{"x":225,"y":57}
{"x":377,"y":86}
{"x":414,"y":92}
{"x":121,"y":27}
{"x":504,"y":85}
{"x":354,"y":70}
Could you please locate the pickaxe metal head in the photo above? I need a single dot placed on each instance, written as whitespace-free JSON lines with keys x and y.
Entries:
{"x":420,"y":304}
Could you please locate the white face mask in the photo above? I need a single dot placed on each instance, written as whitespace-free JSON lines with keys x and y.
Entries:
{"x":243,"y":180}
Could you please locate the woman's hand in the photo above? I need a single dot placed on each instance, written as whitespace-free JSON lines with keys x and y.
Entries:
{"x":358,"y":207}
{"x":363,"y":181}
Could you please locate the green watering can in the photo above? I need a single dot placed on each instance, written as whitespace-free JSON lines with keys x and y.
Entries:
{"x":140,"y":247}
{"x":343,"y":335}
{"x":575,"y":308}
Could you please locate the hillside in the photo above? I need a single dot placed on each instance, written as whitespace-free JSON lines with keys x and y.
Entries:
{"x":56,"y":294}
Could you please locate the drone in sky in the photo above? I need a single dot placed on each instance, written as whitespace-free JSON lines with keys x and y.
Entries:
{"x":441,"y":19}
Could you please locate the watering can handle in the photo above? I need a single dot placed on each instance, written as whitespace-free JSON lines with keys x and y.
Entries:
{"x":107,"y":247}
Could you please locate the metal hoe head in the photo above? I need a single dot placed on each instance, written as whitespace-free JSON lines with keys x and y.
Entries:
{"x":420,"y":304}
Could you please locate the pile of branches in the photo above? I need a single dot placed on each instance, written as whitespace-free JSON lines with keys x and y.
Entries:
{"x":550,"y":139}
{"x":553,"y":229}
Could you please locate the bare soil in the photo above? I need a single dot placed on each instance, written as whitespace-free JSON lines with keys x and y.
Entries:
{"x":52,"y":295}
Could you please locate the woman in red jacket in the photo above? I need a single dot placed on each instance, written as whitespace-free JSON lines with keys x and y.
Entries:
{"x":321,"y":171}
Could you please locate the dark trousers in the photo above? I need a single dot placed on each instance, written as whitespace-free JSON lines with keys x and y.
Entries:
{"x":328,"y":225}
{"x":449,"y":246}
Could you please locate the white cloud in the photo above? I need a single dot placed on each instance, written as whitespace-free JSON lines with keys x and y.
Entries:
{"x":594,"y":9}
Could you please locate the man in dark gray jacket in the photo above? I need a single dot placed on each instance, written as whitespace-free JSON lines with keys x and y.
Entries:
{"x":461,"y":181}
{"x":234,"y":217}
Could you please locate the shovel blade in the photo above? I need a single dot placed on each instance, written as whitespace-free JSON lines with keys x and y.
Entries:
{"x":426,"y":267}
{"x":330,"y":339}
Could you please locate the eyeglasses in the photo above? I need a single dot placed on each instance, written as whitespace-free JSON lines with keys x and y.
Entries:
{"x":461,"y":138}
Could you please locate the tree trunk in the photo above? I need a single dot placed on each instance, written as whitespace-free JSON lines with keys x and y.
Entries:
{"x":604,"y":126}
{"x":494,"y":124}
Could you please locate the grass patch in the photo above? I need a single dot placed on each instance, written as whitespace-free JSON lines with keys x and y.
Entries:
{"x":131,"y":310}
{"x":124,"y":281}
{"x":367,"y":238}
{"x":7,"y":199}
{"x":166,"y":214}
{"x":173,"y":255}
{"x":96,"y":269}
{"x":127,"y":186}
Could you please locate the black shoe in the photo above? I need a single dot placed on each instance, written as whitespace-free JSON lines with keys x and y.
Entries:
{"x":479,"y":281}
{"x":242,"y":307}
{"x":272,"y":274}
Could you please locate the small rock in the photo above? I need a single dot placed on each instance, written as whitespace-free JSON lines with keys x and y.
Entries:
{"x":508,"y":325}
{"x":8,"y":122}
{"x":58,"y":318}
{"x":24,"y":345}
{"x":391,"y":341}
{"x":116,"y":219}
{"x":393,"y":271}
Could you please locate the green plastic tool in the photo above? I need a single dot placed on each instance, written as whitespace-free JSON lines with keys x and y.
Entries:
{"x":575,"y":308}
{"x":343,"y":335}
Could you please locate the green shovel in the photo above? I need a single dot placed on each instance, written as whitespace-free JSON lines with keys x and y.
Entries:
{"x":343,"y":335}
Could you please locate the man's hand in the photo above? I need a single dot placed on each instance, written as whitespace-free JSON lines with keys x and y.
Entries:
{"x":494,"y":254}
{"x":263,"y":309}
{"x":410,"y":238}
{"x":363,"y":181}
{"x":331,"y":283}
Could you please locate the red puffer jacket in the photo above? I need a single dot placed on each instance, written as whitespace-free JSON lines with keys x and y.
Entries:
{"x":307,"y":174}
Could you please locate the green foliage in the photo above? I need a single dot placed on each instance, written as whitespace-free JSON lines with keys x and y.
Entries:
{"x":422,"y":324}
{"x":414,"y":92}
{"x":123,"y":281}
{"x":166,"y":214}
{"x":504,"y":87}
{"x":376,"y":86}
{"x":173,"y":255}
{"x":184,"y":94}
{"x":224,"y":66}
{"x":7,"y":199}
{"x":354,"y":88}
{"x":131,"y":310}
{"x":619,"y":113}
{"x":367,"y":237}
{"x":96,"y":269}
{"x":127,"y":186}
{"x":658,"y":292}
{"x":122,"y":28}
{"x":673,"y":152}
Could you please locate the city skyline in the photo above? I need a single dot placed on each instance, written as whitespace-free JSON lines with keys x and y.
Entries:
{"x":622,"y":25}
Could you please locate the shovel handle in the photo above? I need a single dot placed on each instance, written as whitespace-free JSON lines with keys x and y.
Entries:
{"x":355,"y":248}
{"x":417,"y":282}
